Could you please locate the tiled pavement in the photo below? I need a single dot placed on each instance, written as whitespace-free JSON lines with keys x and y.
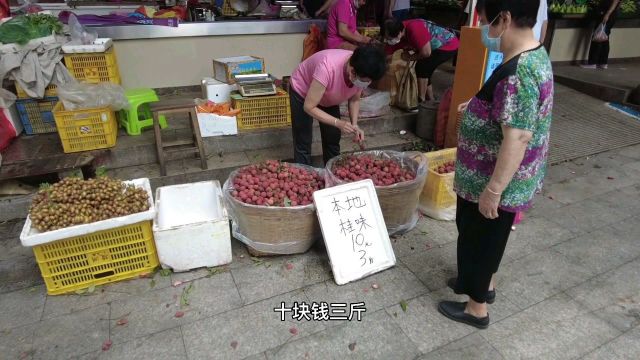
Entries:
{"x":568,"y":288}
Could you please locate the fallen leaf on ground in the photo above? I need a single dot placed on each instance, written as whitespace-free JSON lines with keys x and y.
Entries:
{"x":551,"y":197}
{"x":234,"y":344}
{"x":293,"y":330}
{"x":145,"y":276}
{"x":352,"y":346}
{"x":106,"y":345}
{"x":152,"y":283}
{"x":122,"y":322}
{"x":610,"y":178}
{"x":179,"y":314}
{"x":165,"y":272}
{"x":403,"y":305}
{"x":176,"y":283}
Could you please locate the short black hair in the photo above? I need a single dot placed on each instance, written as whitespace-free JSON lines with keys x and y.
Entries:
{"x":393,"y":27}
{"x":369,"y":62}
{"x":524,"y":13}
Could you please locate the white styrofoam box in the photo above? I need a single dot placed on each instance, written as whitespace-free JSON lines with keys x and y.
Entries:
{"x":354,"y":231}
{"x":100,"y":45}
{"x":33,"y":237}
{"x":191,"y":227}
{"x":216,"y":125}
{"x":217,"y":91}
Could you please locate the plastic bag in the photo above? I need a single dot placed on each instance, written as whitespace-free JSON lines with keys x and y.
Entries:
{"x":374,"y":103}
{"x":7,"y":98}
{"x":313,"y":42}
{"x":269,"y":229}
{"x":600,"y":35}
{"x":79,"y":35}
{"x":399,"y":202}
{"x":77,"y":95}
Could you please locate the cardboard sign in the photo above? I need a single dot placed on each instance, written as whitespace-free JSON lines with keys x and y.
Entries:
{"x":354,"y":231}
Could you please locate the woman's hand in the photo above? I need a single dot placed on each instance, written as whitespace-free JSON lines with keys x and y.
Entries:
{"x":488,"y":204}
{"x":346,"y":127}
{"x":359,"y":136}
{"x":462,"y":107}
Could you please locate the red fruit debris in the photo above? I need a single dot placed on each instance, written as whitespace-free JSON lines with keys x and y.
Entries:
{"x":234,"y":344}
{"x":446,"y":168}
{"x":383,"y":172}
{"x":289,"y":266}
{"x":122,"y":322}
{"x":106,"y":345}
{"x":275,"y":183}
{"x":293,"y":331}
{"x":179,"y":314}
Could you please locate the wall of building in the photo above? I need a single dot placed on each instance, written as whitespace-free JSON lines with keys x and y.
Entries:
{"x":173,"y":62}
{"x":573,"y":44}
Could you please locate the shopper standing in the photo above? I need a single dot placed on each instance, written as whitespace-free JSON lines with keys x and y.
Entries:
{"x":502,"y":152}
{"x":319,"y":85}
{"x":599,"y":50}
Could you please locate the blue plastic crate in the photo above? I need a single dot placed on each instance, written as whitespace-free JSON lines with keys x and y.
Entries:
{"x":37,"y":116}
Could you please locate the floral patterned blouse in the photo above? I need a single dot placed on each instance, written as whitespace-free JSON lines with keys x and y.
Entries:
{"x":519,"y":94}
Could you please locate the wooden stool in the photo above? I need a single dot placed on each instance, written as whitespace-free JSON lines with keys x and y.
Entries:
{"x":194,"y":145}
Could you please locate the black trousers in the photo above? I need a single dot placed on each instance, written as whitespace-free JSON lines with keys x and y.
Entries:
{"x":302,"y":126}
{"x":426,"y":67}
{"x":599,"y":51}
{"x":481,"y":244}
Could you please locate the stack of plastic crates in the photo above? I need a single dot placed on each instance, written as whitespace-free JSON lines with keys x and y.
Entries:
{"x":82,"y":256}
{"x":95,"y":67}
{"x":262,"y":112}
{"x":85,"y":129}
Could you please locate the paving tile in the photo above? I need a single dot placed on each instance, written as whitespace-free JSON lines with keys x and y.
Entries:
{"x":630,"y":151}
{"x":18,"y":273}
{"x":394,"y":285}
{"x":597,"y":182}
{"x":165,"y":345}
{"x":535,"y":277}
{"x":585,"y":216}
{"x":588,"y":251}
{"x":472,"y":347}
{"x":11,"y":247}
{"x":557,"y":328}
{"x":625,"y":347}
{"x":376,"y":337}
{"x":269,"y":276}
{"x":613,"y":296}
{"x":155,"y":311}
{"x":563,"y":172}
{"x":624,"y":199}
{"x":425,"y":326}
{"x":253,"y":329}
{"x":72,"y":335}
{"x":65,"y":304}
{"x":17,"y":343}
{"x":259,"y":356}
{"x":428,"y":234}
{"x":535,"y":234}
{"x":21,"y":307}
{"x":433,"y":267}
{"x":543,"y":204}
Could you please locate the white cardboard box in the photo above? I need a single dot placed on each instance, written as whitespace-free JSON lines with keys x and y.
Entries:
{"x":216,"y":125}
{"x":217,"y":91}
{"x":191,"y":227}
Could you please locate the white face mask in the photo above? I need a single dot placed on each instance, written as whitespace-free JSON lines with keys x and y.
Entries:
{"x":392,"y":42}
{"x":361,"y":84}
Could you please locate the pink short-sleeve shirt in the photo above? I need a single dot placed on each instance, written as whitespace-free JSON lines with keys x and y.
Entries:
{"x":343,"y":11}
{"x":328,"y":68}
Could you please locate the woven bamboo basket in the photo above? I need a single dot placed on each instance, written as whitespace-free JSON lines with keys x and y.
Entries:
{"x":271,"y":230}
{"x":398,"y":202}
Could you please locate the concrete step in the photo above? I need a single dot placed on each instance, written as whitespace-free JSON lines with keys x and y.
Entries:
{"x":141,"y":150}
{"x":220,"y":166}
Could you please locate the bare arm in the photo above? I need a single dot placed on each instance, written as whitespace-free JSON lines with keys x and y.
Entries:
{"x":325,"y":7}
{"x":311,"y":103}
{"x":612,"y":8}
{"x":512,"y":150}
{"x":543,"y":31}
{"x":354,"y":112}
{"x":346,"y":34}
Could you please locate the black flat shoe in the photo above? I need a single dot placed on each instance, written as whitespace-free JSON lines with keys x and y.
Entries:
{"x":491,"y":294}
{"x":455,"y":311}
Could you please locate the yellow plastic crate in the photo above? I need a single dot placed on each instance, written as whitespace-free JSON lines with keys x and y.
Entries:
{"x":94,"y":68}
{"x":438,"y":188}
{"x":95,"y":259}
{"x":227,"y":10}
{"x":50,"y":91}
{"x":86,"y":129}
{"x":262,"y":111}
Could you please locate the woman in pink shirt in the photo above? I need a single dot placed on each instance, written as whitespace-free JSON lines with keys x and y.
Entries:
{"x":342,"y":32}
{"x":319,"y":85}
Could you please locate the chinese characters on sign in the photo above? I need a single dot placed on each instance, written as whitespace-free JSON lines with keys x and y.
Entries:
{"x":322,"y":311}
{"x":353,"y":225}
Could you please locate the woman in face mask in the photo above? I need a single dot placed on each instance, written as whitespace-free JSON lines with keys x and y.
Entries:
{"x":502,"y":152}
{"x":319,"y":85}
{"x":342,"y":32}
{"x":427,"y":43}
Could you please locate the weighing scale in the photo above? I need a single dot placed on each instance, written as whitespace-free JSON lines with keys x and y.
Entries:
{"x":255,"y":85}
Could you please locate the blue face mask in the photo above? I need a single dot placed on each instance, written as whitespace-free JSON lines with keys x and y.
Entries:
{"x":493,"y":44}
{"x":361,"y":84}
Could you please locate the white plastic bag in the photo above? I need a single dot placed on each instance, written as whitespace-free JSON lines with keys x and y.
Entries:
{"x":85,"y":96}
{"x":373,"y":103}
{"x":600,"y":35}
{"x":79,"y":35}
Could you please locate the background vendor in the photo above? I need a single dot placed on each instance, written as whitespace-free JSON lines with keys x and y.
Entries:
{"x":342,"y":32}
{"x":422,"y":41}
{"x":319,"y":85}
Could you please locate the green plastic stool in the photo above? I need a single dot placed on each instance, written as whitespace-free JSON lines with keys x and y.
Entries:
{"x":139,"y":115}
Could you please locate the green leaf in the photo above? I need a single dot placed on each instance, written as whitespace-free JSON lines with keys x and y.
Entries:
{"x":287,"y":201}
{"x":81,"y":291}
{"x":101,"y":171}
{"x":152,"y":283}
{"x":403,"y":305}
{"x":91,"y":289}
{"x":45,"y":186}
{"x":165,"y":272}
{"x":216,"y":270}
{"x":184,"y":299}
